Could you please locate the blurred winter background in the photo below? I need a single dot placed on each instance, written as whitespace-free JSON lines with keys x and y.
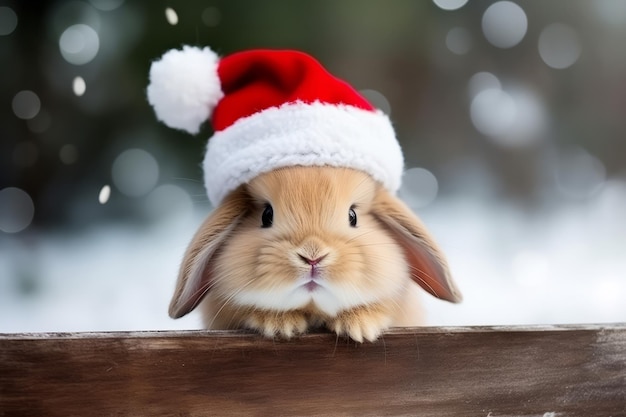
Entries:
{"x":512,"y":116}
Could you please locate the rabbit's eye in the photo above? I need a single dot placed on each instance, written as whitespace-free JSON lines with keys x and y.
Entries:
{"x":352,"y":216}
{"x":267,"y":217}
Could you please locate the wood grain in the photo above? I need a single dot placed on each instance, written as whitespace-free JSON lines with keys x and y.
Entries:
{"x":504,"y":371}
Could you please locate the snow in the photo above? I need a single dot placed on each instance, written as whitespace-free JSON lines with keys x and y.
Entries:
{"x":110,"y":278}
{"x":565,"y":264}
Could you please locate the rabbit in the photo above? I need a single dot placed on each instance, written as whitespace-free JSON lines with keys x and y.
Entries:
{"x":301,"y":247}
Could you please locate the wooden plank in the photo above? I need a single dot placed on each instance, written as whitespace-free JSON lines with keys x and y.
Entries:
{"x":504,"y":371}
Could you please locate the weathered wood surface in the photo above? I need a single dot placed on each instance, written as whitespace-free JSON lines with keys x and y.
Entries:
{"x":512,"y":371}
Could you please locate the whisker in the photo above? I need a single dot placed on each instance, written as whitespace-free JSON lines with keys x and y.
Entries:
{"x":200,"y":293}
{"x":423,"y":281}
{"x":187,"y":179}
{"x":228,"y":300}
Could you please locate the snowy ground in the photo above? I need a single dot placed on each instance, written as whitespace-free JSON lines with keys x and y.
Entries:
{"x":565,"y":265}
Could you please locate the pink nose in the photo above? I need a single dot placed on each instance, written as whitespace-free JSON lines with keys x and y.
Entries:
{"x":312,"y":262}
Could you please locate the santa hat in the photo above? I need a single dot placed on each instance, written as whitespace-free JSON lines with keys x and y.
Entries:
{"x":271,"y":109}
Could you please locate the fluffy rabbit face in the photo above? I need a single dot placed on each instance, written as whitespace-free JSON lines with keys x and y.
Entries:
{"x":309,"y":242}
{"x":307,"y":246}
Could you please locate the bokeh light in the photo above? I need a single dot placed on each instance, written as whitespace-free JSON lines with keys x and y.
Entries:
{"x":26,"y":104}
{"x":135,"y":172}
{"x":419,"y":187}
{"x":559,"y":46}
{"x":578,"y":174}
{"x":16,"y":210}
{"x":493,"y":112}
{"x":459,"y":40}
{"x":79,"y":44}
{"x":504,"y":24}
{"x":513,"y":117}
{"x":171,"y":16}
{"x":104,"y":194}
{"x":8,"y":21}
{"x":482,"y":81}
{"x":78,"y":86}
{"x":169,"y":203}
{"x":530,"y":118}
{"x":68,"y":154}
{"x":211,"y":16}
{"x":378,"y":100}
{"x":450,"y":4}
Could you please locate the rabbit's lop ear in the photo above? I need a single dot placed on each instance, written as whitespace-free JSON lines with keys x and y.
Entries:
{"x":427,"y":264}
{"x":195,"y":276}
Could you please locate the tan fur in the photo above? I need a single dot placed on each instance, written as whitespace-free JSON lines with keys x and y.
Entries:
{"x":251,"y":274}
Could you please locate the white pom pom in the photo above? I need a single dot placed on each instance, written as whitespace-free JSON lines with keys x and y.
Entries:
{"x":184,"y":87}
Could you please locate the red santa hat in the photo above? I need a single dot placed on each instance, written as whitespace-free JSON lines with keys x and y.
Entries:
{"x":271,"y":109}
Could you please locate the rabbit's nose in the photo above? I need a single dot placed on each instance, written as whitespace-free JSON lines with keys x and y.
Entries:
{"x":312,"y":262}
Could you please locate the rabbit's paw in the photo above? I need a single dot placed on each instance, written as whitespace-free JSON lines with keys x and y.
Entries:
{"x":284,"y":324}
{"x":364,"y":322}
